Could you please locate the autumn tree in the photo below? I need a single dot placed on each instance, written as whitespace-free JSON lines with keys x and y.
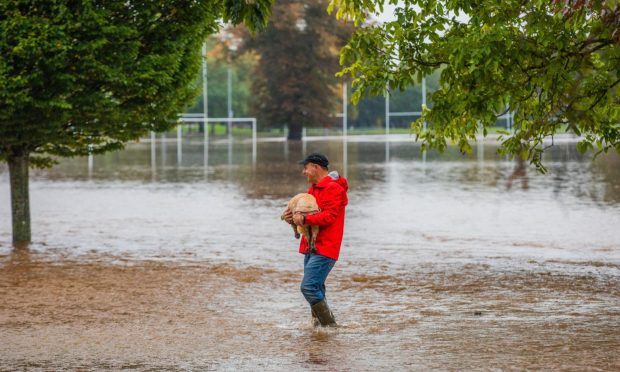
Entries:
{"x":554,"y":64}
{"x":86,"y":76}
{"x":294,"y":84}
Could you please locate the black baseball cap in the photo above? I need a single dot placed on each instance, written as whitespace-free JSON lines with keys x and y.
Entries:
{"x":315,"y":158}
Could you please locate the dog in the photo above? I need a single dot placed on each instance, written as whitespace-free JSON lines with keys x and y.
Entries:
{"x":304,"y":204}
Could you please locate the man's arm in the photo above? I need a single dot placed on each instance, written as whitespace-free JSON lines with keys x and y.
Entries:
{"x":331,"y":203}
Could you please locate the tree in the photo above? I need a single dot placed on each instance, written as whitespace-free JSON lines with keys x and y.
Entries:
{"x":86,"y":76}
{"x":554,"y":64}
{"x":294,"y":83}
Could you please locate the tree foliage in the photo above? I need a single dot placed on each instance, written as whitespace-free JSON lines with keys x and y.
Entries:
{"x":86,"y":76}
{"x":554,"y":64}
{"x":294,"y":83}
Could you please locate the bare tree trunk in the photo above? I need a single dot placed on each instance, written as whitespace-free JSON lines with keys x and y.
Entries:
{"x":294,"y":132}
{"x":20,"y":199}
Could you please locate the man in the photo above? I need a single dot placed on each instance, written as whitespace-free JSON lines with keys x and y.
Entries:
{"x":330,"y":191}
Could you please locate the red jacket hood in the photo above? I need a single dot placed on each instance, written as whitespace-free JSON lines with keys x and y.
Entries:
{"x":333,"y":176}
{"x":339,"y":180}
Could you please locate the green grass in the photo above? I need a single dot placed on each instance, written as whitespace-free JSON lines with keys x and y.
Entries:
{"x":371,"y":131}
{"x":219,"y":130}
{"x":353,"y":132}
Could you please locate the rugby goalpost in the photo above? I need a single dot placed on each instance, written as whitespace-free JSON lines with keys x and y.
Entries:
{"x":201,"y":118}
{"x":204,"y":117}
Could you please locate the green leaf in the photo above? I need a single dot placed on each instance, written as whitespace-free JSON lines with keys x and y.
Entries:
{"x":555,"y":67}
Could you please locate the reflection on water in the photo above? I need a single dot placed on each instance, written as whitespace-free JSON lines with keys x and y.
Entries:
{"x":569,"y":171}
{"x":448,"y":262}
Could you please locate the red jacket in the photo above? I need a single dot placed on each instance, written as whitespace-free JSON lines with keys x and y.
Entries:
{"x":331,"y":196}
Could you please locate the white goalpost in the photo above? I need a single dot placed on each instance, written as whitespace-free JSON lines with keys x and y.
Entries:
{"x":200,"y":118}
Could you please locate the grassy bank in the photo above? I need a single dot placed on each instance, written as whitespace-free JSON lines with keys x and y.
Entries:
{"x":220,"y":130}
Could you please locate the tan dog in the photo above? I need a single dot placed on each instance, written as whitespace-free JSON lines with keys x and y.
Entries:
{"x":305,"y":204}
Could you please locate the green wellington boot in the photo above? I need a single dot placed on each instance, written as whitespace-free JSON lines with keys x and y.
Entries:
{"x":315,"y":320}
{"x":324,"y":314}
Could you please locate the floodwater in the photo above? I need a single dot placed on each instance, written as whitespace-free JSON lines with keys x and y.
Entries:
{"x":147,"y":261}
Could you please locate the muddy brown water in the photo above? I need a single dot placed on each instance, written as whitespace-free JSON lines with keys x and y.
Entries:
{"x":448,"y":263}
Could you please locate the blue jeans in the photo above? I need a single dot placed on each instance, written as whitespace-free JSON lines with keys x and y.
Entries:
{"x":316,"y":269}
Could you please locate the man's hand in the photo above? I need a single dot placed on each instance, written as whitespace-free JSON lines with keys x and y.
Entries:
{"x":299,"y":219}
{"x":287,"y":216}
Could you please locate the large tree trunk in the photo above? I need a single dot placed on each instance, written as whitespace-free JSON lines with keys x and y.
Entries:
{"x":20,"y":199}
{"x":294,"y":132}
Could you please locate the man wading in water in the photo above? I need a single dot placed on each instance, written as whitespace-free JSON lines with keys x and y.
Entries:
{"x":330,"y":191}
